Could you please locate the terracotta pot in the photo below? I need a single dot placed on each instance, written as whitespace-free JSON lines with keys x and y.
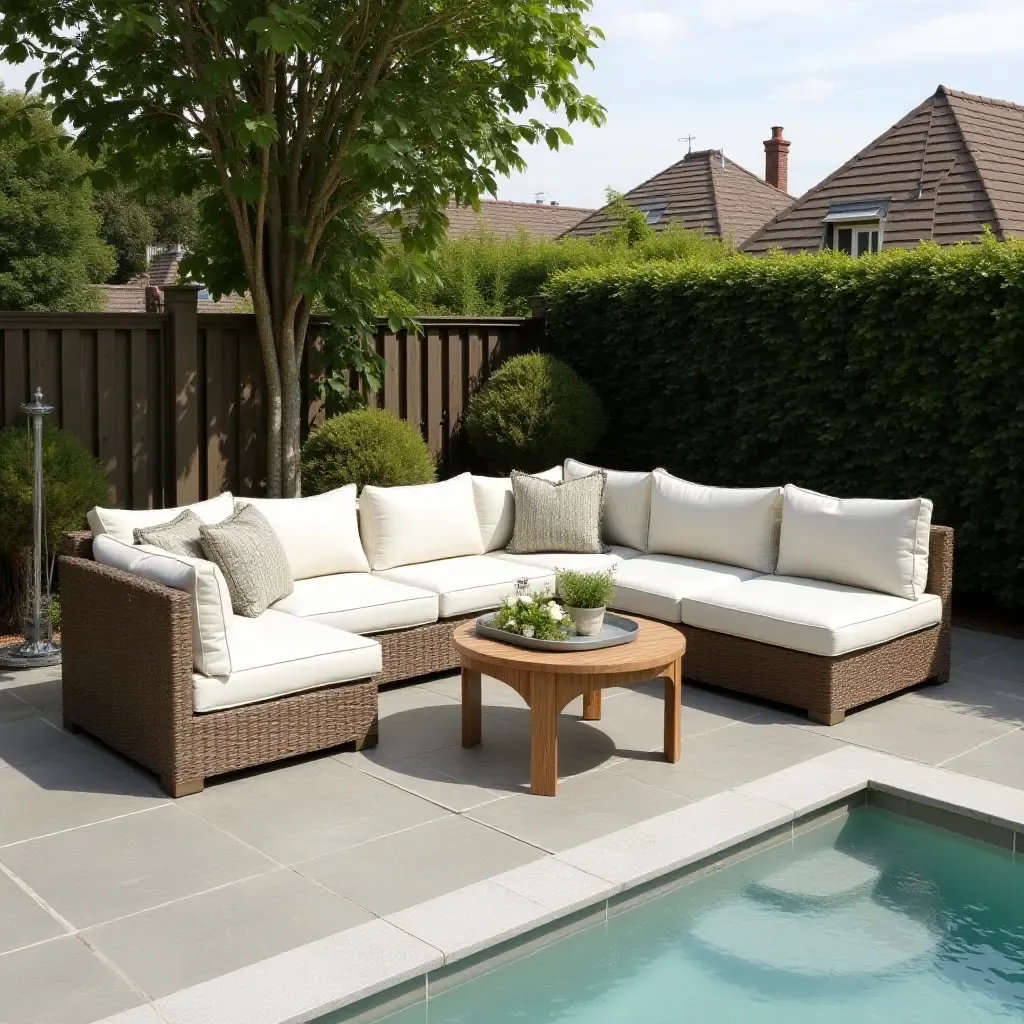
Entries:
{"x":588,"y":621}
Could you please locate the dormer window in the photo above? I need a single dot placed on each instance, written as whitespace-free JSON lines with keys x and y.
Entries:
{"x":855,"y":227}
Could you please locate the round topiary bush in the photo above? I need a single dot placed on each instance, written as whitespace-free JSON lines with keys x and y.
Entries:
{"x":73,"y":482}
{"x":365,"y":446}
{"x":534,"y":412}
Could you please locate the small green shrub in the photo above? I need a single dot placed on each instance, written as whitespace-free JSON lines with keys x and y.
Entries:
{"x":73,"y":482}
{"x":365,"y":446}
{"x":586,"y":589}
{"x":533,"y":412}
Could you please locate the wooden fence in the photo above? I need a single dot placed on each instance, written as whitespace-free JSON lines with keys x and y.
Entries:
{"x":173,"y":403}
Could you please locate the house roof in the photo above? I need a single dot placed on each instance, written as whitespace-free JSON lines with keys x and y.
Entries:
{"x":163,"y":271}
{"x":506,"y":218}
{"x":705,"y":191}
{"x":954,"y":164}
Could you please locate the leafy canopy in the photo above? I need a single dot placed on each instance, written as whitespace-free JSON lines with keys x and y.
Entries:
{"x":51,"y":253}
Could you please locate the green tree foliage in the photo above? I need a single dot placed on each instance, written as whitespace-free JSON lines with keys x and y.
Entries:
{"x":301,"y":115}
{"x":534,"y":411}
{"x":51,"y":253}
{"x":890,"y":376}
{"x":485,"y":275}
{"x":365,"y":446}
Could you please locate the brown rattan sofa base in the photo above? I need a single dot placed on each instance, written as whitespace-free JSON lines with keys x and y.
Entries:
{"x":127,"y":675}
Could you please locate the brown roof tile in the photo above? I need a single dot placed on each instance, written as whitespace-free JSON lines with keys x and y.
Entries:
{"x":950,"y":167}
{"x":704,"y":191}
{"x":506,"y":218}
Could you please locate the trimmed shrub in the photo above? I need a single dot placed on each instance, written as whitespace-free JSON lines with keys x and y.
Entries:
{"x":534,"y":412}
{"x":365,"y":446}
{"x":73,"y":482}
{"x":889,"y":376}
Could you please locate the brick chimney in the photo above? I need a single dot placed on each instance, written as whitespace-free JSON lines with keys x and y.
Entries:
{"x":776,"y":160}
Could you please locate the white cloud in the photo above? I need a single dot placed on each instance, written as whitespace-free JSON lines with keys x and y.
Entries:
{"x":806,"y":90}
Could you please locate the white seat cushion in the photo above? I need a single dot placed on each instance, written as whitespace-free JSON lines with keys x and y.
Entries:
{"x":359,"y":603}
{"x":552,"y":560}
{"x":120,"y":523}
{"x":862,"y":542}
{"x":653,"y":585}
{"x":278,"y":654}
{"x":729,"y":525}
{"x":627,"y":503}
{"x":319,"y":534}
{"x":201,"y":580}
{"x":421,"y":523}
{"x":810,"y":615}
{"x":472,"y":584}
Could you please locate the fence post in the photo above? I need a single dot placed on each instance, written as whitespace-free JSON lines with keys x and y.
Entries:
{"x":181,"y":303}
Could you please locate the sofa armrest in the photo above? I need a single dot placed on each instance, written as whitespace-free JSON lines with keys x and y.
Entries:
{"x":127,"y":663}
{"x":940,"y":565}
{"x":77,"y":544}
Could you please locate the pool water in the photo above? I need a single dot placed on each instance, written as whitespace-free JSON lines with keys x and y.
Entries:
{"x":874,"y":918}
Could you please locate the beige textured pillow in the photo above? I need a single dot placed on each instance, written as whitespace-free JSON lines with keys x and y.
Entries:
{"x":872,"y":543}
{"x":246,"y":550}
{"x":180,"y":536}
{"x":557,"y":517}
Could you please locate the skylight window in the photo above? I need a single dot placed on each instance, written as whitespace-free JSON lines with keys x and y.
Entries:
{"x":653,"y":212}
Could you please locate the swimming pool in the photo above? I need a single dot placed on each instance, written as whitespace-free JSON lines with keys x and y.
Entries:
{"x":873,"y":918}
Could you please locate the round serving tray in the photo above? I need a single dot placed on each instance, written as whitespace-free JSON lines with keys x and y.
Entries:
{"x":617,"y":630}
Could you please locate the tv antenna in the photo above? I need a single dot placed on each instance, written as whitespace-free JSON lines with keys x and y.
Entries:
{"x":688,"y":139}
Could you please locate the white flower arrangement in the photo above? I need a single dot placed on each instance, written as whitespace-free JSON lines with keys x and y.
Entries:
{"x":533,"y":616}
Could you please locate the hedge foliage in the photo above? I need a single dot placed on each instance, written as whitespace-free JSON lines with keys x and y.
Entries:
{"x":890,"y":376}
{"x":486,"y":275}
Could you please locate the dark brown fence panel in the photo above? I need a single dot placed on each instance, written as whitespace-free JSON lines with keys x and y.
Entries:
{"x":174,"y":405}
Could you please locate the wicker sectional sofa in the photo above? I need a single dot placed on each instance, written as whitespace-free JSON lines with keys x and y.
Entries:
{"x":163,"y":672}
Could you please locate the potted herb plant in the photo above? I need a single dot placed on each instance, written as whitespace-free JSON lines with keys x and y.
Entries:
{"x":586,"y":596}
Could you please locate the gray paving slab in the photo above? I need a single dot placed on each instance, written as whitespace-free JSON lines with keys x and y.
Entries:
{"x":23,"y":920}
{"x":193,"y":940}
{"x":1001,"y":760}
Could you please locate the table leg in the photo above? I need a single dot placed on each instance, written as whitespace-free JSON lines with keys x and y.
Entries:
{"x":472,"y":712}
{"x":673,"y":712}
{"x":544,"y":711}
{"x":592,"y":706}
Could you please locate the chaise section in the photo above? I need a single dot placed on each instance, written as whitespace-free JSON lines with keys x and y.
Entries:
{"x":277,"y":654}
{"x":654,"y":585}
{"x":474,"y":583}
{"x":807,"y":615}
{"x":360,"y":603}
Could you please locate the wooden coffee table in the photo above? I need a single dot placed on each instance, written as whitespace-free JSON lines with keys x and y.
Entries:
{"x":548,"y":681}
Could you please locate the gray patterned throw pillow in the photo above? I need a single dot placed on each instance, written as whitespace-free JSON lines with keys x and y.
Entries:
{"x":179,"y":537}
{"x":557,"y":516}
{"x":248,"y":553}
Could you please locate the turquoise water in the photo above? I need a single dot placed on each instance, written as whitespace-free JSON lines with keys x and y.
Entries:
{"x":874,"y":919}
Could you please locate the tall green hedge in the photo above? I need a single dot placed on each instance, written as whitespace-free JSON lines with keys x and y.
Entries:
{"x":890,"y":376}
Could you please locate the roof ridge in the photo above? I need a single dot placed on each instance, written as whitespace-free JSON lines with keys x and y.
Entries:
{"x":716,"y":211}
{"x":757,"y":178}
{"x":972,"y":156}
{"x":829,"y":178}
{"x":945,"y":90}
{"x":530,"y":206}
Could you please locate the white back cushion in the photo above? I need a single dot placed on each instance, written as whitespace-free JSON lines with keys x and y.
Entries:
{"x":862,"y":542}
{"x":201,"y":580}
{"x":627,"y":503}
{"x":319,"y":534}
{"x":555,"y":474}
{"x":495,"y":509}
{"x":421,"y":523}
{"x":120,"y":523}
{"x":730,"y":525}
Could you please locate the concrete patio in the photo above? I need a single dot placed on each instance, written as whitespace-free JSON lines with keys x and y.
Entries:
{"x":111,"y":895}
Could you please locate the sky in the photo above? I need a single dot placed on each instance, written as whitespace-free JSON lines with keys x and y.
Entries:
{"x":834,"y":73}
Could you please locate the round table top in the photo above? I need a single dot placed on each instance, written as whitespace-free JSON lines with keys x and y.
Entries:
{"x":656,"y":646}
